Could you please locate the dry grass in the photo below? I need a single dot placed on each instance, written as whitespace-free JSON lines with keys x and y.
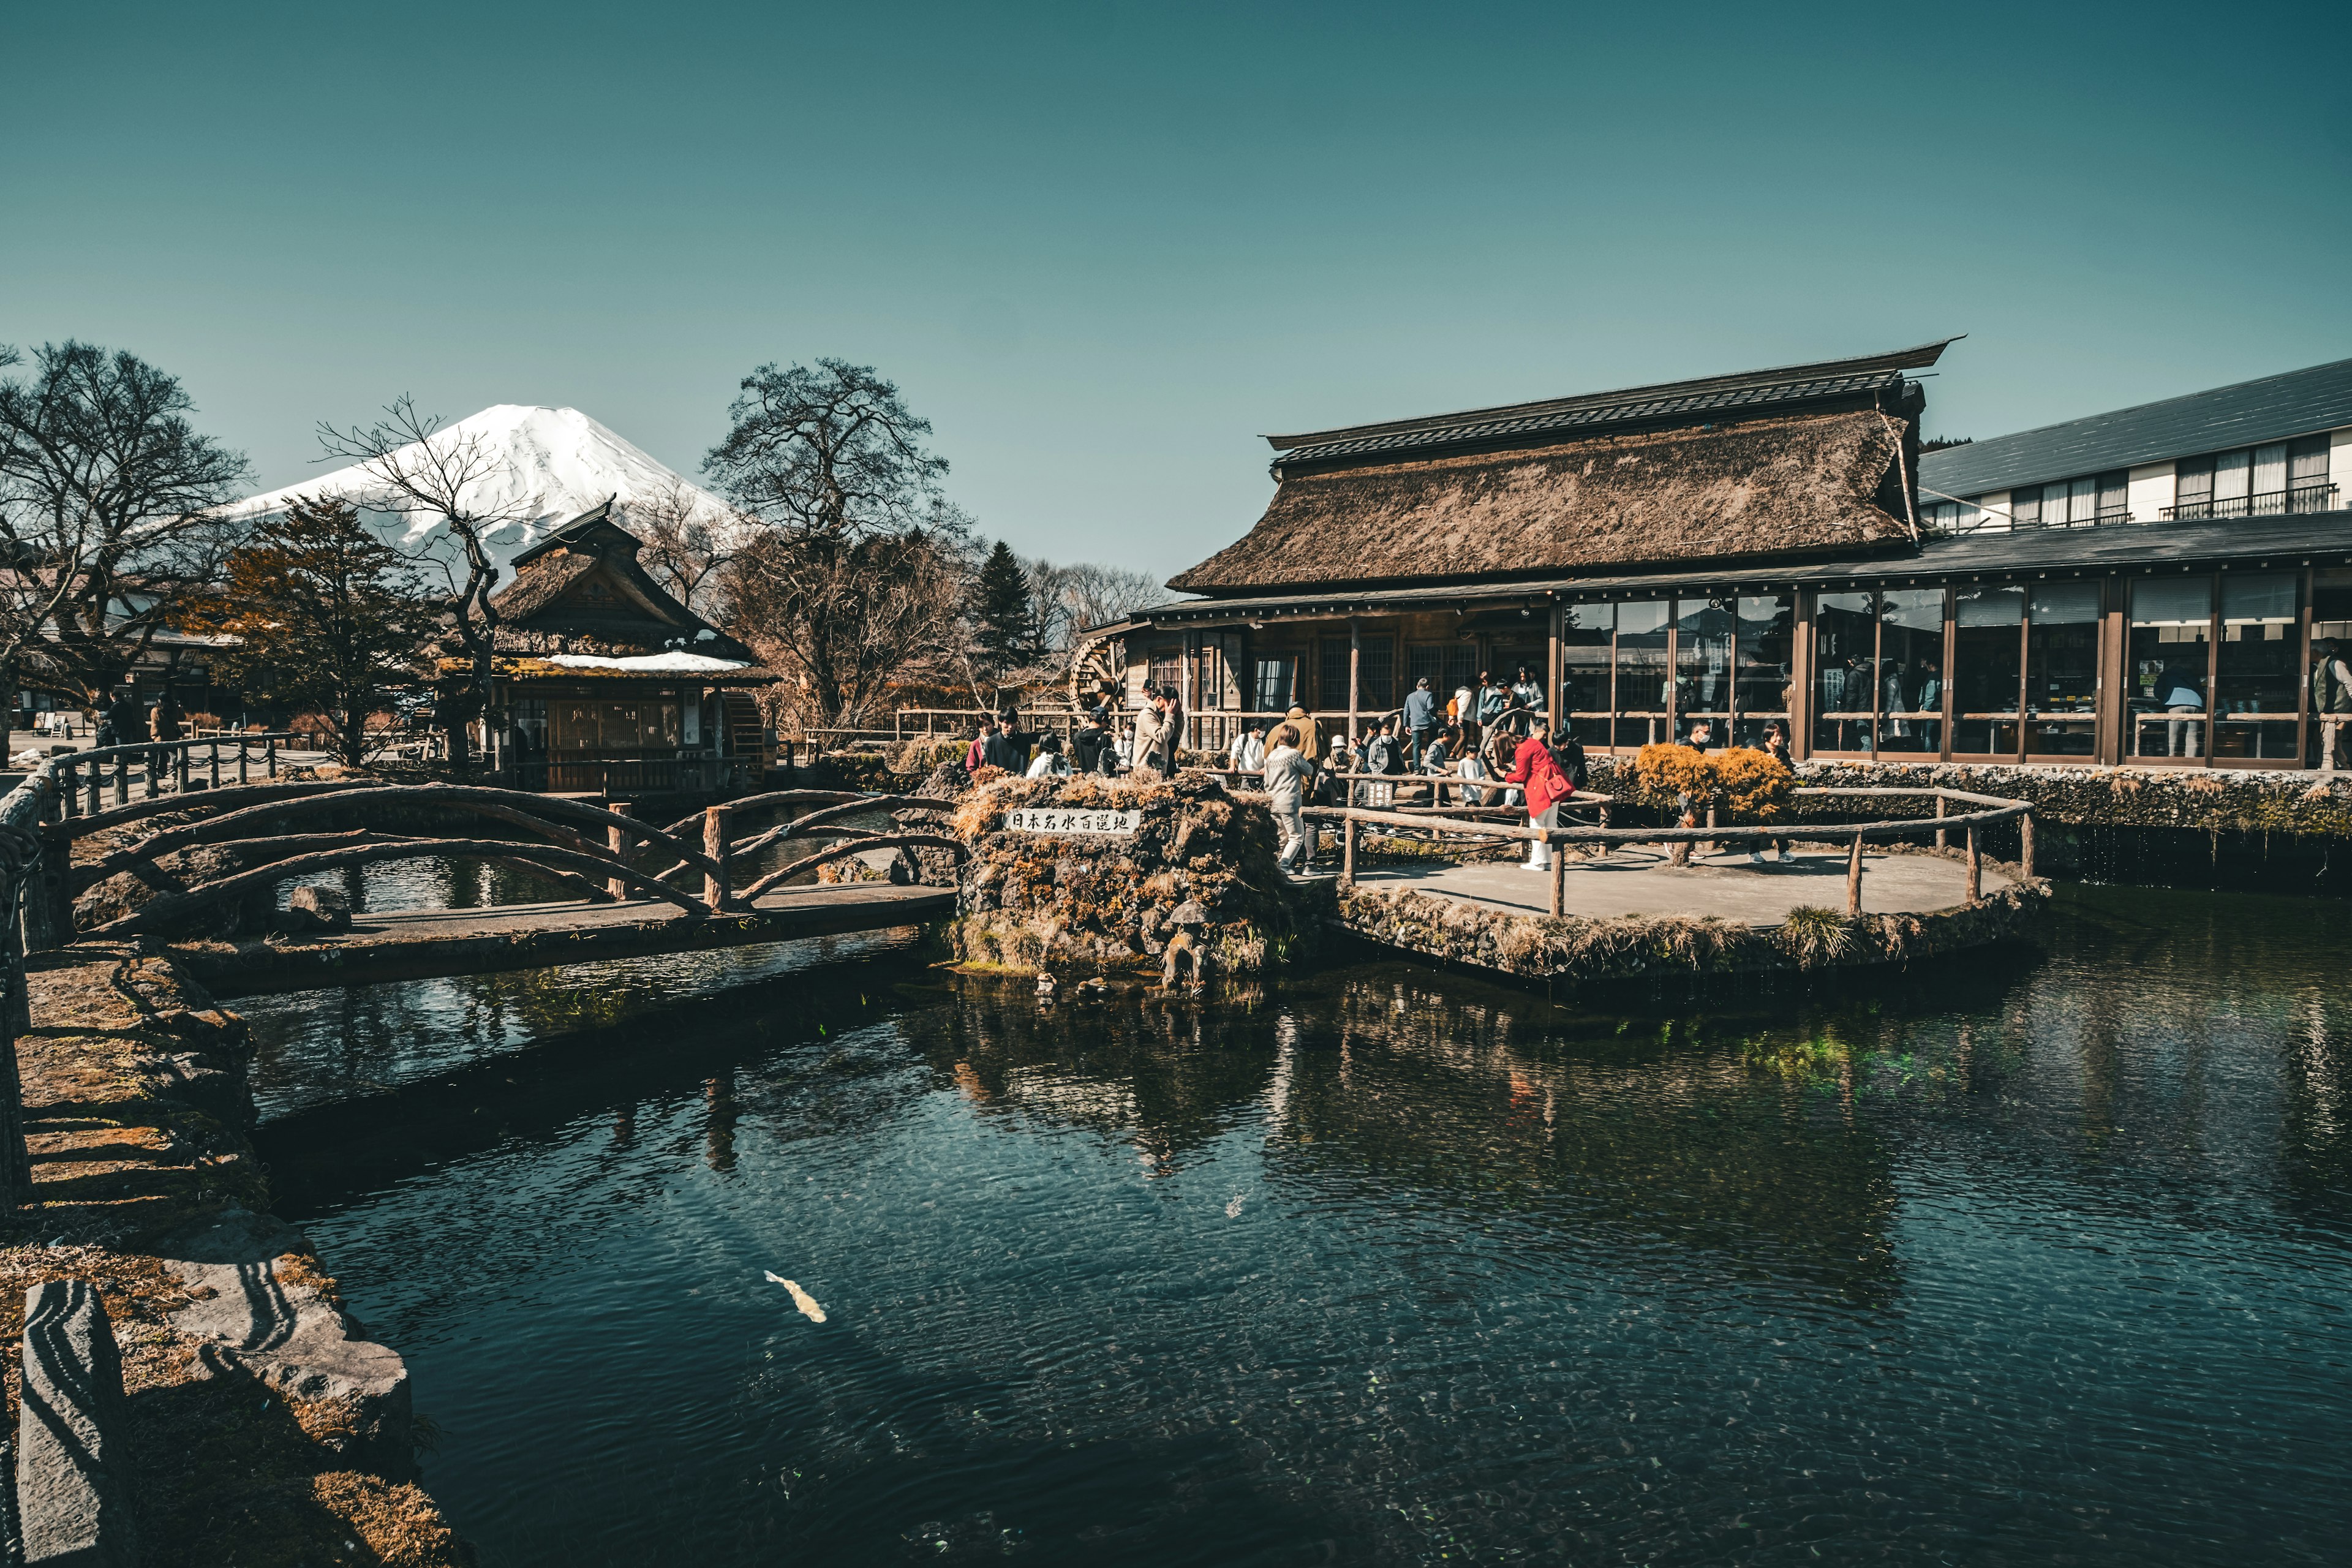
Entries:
{"x":1815,"y":937}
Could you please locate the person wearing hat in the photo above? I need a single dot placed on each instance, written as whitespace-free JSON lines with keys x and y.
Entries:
{"x":1309,"y":734}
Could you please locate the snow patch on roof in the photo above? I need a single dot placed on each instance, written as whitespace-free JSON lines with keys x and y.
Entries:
{"x":647,"y":663}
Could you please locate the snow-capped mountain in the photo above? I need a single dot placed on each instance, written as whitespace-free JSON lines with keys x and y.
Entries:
{"x":547,"y":466}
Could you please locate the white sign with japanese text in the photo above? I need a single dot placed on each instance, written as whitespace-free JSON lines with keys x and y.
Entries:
{"x":1071,"y":819}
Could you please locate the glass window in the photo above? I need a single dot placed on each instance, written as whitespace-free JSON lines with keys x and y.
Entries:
{"x":2062,"y":669}
{"x":2025,"y":507}
{"x":2115,"y":496}
{"x":1845,"y":654}
{"x":1702,"y":666}
{"x":1273,"y":686}
{"x":2234,"y":474}
{"x":1584,"y":636}
{"x":1377,"y":675}
{"x":2167,"y":651}
{"x":1910,"y":670}
{"x":1987,"y":661}
{"x":1766,"y":653}
{"x":1331,"y":685}
{"x":1446,"y":664}
{"x":2192,"y":487}
{"x":2256,"y":671}
{"x":2270,"y":477}
{"x":1642,"y":677}
{"x":2306,"y":474}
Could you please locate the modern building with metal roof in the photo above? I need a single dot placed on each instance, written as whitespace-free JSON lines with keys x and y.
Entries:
{"x":2270,"y":445}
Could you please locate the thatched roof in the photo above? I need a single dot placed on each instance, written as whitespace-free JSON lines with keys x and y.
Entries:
{"x":1768,"y":487}
{"x":580,"y":591}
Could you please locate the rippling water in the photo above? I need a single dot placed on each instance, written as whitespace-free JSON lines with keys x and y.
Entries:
{"x":2043,"y":1259}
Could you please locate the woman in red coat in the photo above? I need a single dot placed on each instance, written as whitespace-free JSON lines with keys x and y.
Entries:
{"x":1534,"y":769}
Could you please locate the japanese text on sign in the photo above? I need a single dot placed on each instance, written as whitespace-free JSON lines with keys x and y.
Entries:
{"x":1061,"y":819}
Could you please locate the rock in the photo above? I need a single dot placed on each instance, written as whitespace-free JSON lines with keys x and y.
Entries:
{"x":72,"y":1497}
{"x":262,"y":1312}
{"x":319,"y":908}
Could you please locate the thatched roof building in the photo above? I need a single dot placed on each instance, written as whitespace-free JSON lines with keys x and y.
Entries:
{"x":1812,"y":457}
{"x":611,"y":684}
{"x":1751,"y":552}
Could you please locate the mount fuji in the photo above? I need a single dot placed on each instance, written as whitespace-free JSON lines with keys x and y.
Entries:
{"x":547,"y":466}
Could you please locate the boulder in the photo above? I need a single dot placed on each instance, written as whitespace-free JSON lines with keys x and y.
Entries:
{"x":73,"y":1500}
{"x":262,"y":1308}
{"x":317,"y":907}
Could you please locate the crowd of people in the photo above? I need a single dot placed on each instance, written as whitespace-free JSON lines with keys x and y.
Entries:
{"x":1489,"y":743}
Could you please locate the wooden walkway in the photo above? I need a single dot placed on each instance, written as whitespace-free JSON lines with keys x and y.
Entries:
{"x":413,"y":944}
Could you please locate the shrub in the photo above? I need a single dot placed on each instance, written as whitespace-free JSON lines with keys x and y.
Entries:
{"x":1753,"y":785}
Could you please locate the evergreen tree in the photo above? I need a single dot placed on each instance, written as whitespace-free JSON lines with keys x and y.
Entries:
{"x":325,"y":616}
{"x":1006,"y":620}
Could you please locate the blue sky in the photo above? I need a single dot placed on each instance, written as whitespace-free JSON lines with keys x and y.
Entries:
{"x":1102,"y":248}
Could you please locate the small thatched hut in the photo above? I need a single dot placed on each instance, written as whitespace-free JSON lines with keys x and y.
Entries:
{"x":610,"y":684}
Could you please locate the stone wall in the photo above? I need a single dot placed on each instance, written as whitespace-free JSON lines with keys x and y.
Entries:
{"x":1088,"y":903}
{"x":1578,"y":952}
{"x":2220,"y":800}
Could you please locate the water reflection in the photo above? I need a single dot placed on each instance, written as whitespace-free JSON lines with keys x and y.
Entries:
{"x":2005,"y":1262}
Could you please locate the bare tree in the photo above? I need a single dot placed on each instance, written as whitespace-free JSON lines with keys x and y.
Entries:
{"x":428,"y":471}
{"x":106,"y":514}
{"x":1094,"y":595}
{"x":688,"y":540}
{"x":844,"y":585}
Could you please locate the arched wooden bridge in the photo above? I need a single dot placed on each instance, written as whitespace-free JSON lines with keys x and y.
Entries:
{"x":637,"y":888}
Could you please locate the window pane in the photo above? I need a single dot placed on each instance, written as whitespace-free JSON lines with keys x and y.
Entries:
{"x":1377,"y":675}
{"x":1331,"y":689}
{"x":1767,"y":633}
{"x":2232,"y":474}
{"x":1703,"y":665}
{"x":2062,"y":674}
{"x":1642,"y":674}
{"x":1986,"y":664}
{"x":2115,"y":496}
{"x":1272,"y":693}
{"x":2270,"y":477}
{"x":1910,"y":670}
{"x":1846,"y":650}
{"x":1584,"y":636}
{"x":2083,"y":500}
{"x":2166,"y":654}
{"x":2025,"y":507}
{"x":2256,"y":689}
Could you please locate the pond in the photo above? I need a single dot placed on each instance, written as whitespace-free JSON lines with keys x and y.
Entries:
{"x":2044,"y":1257}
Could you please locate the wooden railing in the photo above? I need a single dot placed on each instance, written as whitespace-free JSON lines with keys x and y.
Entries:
{"x":85,"y":778}
{"x":1461,"y":823}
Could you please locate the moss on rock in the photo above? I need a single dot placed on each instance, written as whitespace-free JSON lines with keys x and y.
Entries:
{"x":1089,"y":904}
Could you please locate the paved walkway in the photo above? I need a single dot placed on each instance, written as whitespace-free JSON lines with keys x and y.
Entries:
{"x":1640,"y":882}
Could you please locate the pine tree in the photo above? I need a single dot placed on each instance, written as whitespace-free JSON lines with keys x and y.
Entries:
{"x":1006,"y":630}
{"x":325,"y":616}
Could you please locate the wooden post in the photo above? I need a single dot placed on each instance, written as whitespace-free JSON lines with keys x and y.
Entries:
{"x":215,"y":749}
{"x":1714,"y":846}
{"x":1943,"y":836}
{"x":1976,"y":870}
{"x":69,"y":785}
{"x":180,"y":768}
{"x":1348,"y":851}
{"x":1559,"y":880}
{"x":97,"y":787}
{"x":273,"y":756}
{"x":714,"y":845}
{"x":616,"y":839}
{"x":154,"y":766}
{"x":243,"y":760}
{"x":1853,"y":878}
{"x":121,"y":778}
{"x":1355,"y":674}
{"x":1606,"y":844}
{"x":2025,"y":831}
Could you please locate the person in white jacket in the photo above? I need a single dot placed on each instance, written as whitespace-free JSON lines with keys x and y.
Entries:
{"x":1247,"y":753}
{"x":1288,"y":772}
